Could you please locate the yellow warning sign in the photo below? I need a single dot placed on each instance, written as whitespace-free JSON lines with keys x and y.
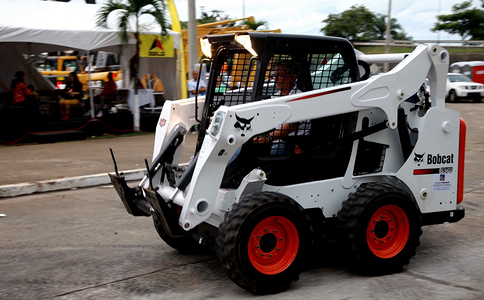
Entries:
{"x":156,"y":46}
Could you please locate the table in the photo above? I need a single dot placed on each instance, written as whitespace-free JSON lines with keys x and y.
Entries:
{"x":145,"y":97}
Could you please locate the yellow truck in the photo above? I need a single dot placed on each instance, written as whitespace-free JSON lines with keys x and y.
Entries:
{"x":57,"y":69}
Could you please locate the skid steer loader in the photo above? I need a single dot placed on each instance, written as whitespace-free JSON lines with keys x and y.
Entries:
{"x":365,"y":161}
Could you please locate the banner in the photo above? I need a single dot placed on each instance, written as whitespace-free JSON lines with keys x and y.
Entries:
{"x":156,"y":46}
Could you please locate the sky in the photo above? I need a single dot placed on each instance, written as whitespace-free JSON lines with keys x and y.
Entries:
{"x":416,"y":17}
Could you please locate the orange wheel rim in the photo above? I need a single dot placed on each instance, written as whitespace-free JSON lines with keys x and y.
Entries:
{"x":273,"y":245}
{"x":388,"y":231}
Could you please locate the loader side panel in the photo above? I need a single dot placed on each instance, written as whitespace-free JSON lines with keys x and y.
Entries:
{"x":431,"y":172}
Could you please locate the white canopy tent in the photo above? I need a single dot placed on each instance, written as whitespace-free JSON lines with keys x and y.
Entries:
{"x":33,"y":27}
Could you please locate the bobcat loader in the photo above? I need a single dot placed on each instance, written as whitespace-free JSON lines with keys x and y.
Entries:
{"x":367,"y":161}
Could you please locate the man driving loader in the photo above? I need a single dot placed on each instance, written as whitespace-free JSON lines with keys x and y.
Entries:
{"x":286,"y":76}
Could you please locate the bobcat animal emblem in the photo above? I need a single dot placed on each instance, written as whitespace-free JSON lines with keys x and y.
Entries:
{"x":243,"y":125}
{"x":418,"y":157}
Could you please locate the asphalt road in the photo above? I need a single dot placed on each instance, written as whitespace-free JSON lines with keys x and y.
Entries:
{"x":81,"y":244}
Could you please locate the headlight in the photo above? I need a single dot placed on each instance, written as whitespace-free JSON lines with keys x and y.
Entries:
{"x":245,"y":41}
{"x":206,"y":47}
{"x":217,"y":123}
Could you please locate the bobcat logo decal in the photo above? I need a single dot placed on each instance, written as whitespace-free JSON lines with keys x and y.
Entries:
{"x":418,"y":157}
{"x":243,"y":124}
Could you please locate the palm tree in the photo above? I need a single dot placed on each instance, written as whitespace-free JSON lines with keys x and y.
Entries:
{"x":254,"y":25}
{"x":380,"y":27}
{"x":131,"y":11}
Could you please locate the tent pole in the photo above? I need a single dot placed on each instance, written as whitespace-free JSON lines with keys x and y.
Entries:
{"x":29,"y":62}
{"x":178,"y":73}
{"x":123,"y":69}
{"x":91,"y":99}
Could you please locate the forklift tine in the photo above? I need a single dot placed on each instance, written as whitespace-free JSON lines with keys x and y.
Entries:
{"x":114,"y":161}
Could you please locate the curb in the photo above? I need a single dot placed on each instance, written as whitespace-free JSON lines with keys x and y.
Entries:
{"x":12,"y":190}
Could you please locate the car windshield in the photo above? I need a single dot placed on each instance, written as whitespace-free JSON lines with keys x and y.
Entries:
{"x":459,"y":78}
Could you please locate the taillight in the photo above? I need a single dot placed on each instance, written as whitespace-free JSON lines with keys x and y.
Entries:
{"x":462,"y":151}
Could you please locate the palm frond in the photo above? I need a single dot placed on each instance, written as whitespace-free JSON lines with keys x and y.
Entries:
{"x":106,"y":10}
{"x":159,"y":16}
{"x":123,"y":24}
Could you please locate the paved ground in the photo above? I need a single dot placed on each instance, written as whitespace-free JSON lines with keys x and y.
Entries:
{"x":36,"y":162}
{"x":81,"y":244}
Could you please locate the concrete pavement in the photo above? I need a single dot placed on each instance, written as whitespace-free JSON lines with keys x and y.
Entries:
{"x":34,"y":168}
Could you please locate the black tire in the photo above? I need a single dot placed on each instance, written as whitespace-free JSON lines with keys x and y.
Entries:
{"x":182,"y":240}
{"x":453,"y":96}
{"x":377,"y":244}
{"x":263,"y":242}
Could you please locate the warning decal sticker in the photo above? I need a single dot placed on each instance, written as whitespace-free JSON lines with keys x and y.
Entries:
{"x":442,"y":182}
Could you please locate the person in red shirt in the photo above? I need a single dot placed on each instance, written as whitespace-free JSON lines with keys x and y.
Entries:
{"x":19,"y":90}
{"x":107,"y":94}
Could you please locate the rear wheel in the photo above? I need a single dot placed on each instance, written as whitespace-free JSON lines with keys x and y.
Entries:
{"x":263,"y":242}
{"x":381,"y":226}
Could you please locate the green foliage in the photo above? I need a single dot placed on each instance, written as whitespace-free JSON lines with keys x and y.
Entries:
{"x":465,"y":21}
{"x":358,"y":23}
{"x":207,"y":18}
{"x":254,"y":25}
{"x":355,"y":24}
{"x":131,"y":10}
{"x":401,"y":35}
{"x":380,"y":29}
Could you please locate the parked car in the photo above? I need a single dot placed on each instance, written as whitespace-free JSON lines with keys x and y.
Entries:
{"x":459,"y":86}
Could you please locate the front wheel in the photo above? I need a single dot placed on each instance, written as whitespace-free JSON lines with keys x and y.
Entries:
{"x":263,"y":242}
{"x":452,"y":96}
{"x":181,"y":241}
{"x":381,"y":226}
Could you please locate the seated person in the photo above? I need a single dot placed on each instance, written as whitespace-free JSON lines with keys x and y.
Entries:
{"x":19,"y":90}
{"x":24,"y":95}
{"x":71,"y":96}
{"x":285,"y":78}
{"x":192,"y":86}
{"x":107,"y":94}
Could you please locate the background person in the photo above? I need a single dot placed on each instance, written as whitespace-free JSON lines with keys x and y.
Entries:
{"x":71,"y":96}
{"x":19,"y":90}
{"x":107,"y":94}
{"x":24,"y":96}
{"x":192,"y":85}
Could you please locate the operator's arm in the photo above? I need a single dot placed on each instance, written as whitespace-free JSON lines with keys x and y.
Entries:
{"x":279,"y":132}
